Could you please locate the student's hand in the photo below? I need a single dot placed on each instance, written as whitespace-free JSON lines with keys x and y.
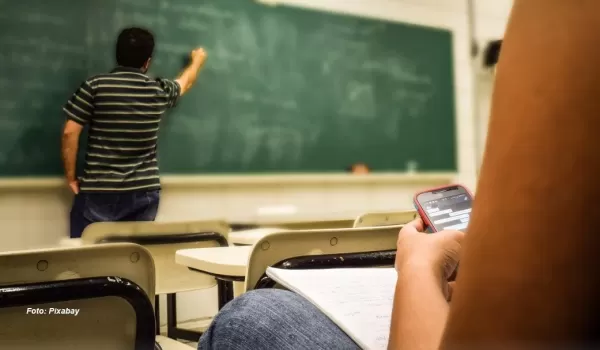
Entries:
{"x":74,"y":187}
{"x":199,"y":55}
{"x":436,"y":253}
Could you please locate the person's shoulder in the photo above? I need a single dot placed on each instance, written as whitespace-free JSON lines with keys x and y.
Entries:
{"x":122,"y":75}
{"x":89,"y":83}
{"x":94,"y":79}
{"x":166,"y":84}
{"x":161,"y":80}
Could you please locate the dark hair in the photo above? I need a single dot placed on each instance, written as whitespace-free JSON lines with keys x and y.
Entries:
{"x":134,"y":47}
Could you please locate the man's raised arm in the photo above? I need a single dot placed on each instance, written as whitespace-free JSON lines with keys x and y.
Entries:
{"x":188,"y":77}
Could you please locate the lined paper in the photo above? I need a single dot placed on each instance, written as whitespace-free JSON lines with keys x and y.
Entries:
{"x":358,"y":300}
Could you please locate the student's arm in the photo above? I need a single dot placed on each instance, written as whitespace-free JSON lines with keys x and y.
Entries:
{"x":188,"y":77}
{"x":424,"y":263}
{"x":529,"y":273}
{"x":79,"y":111}
{"x":419,"y":312}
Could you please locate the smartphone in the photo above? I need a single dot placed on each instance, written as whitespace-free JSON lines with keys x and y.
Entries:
{"x":445,"y":208}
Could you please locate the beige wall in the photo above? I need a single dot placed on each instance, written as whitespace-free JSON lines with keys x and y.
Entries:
{"x":491,"y":17}
{"x":35,"y":214}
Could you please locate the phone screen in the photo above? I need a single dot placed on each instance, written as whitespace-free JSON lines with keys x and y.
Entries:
{"x":447,"y":209}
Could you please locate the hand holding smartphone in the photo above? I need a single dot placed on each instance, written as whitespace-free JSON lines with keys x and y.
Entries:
{"x":445,"y":208}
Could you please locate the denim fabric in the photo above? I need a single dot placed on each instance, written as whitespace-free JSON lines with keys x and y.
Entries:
{"x":99,"y":207}
{"x":273,"y":319}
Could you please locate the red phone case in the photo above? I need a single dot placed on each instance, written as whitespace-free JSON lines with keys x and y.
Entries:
{"x":420,"y":210}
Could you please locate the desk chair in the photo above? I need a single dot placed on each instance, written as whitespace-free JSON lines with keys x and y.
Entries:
{"x":251,"y":236}
{"x":314,"y":225}
{"x":385,"y":218}
{"x":338,"y":246}
{"x":162,"y":241}
{"x":109,"y":284}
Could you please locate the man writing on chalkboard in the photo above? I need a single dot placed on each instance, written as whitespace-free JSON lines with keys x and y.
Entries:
{"x":123,"y":109}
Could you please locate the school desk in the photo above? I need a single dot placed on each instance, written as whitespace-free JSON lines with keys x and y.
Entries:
{"x":226,"y":264}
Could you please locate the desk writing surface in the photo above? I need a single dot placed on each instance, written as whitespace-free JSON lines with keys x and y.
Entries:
{"x":285,"y":89}
{"x":224,"y":261}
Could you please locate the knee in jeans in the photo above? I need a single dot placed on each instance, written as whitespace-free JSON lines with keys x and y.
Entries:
{"x":257,"y":299}
{"x":243,"y":309}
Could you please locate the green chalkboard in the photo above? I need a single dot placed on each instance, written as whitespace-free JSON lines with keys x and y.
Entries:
{"x":284,"y":90}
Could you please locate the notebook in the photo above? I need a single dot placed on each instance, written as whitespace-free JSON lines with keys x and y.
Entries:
{"x":358,"y":300}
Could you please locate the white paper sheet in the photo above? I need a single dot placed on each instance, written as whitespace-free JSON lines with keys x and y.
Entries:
{"x":358,"y":300}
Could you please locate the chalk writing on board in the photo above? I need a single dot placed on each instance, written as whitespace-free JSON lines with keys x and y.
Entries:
{"x":269,"y":93}
{"x":338,"y":29}
{"x":9,"y":125}
{"x":138,"y":3}
{"x":250,"y":137}
{"x":203,"y":9}
{"x":240,"y":95}
{"x":358,"y":100}
{"x":244,"y":37}
{"x":37,"y":104}
{"x":173,"y":48}
{"x":224,"y":53}
{"x":191,"y":24}
{"x":278,"y":36}
{"x":414,"y":102}
{"x":356,"y":47}
{"x":284,"y":146}
{"x":43,"y":44}
{"x":276,"y":102}
{"x":229,"y":151}
{"x":31,"y":62}
{"x":397,"y":71}
{"x":125,"y":18}
{"x":35,"y":18}
{"x":234,"y":45}
{"x":7,"y":105}
{"x":251,"y":141}
{"x":203,"y":130}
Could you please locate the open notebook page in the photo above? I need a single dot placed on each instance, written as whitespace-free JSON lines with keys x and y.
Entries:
{"x":358,"y":300}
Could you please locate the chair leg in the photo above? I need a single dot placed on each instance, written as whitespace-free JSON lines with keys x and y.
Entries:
{"x":224,"y":292}
{"x":172,"y":331}
{"x":171,"y":316}
{"x":157,"y":313}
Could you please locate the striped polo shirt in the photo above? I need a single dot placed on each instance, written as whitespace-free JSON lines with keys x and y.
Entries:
{"x":123,"y":110}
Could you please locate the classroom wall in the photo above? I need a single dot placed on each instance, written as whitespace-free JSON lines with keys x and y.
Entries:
{"x":491,"y":17}
{"x":37,"y":215}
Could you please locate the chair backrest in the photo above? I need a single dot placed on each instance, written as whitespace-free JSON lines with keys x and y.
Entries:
{"x":101,"y":322}
{"x":314,"y":225}
{"x":279,"y":246}
{"x":163,"y":240}
{"x":385,"y":218}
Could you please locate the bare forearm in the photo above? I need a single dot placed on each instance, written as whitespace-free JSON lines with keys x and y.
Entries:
{"x":419,"y":313}
{"x":70,"y":144}
{"x":188,"y":77}
{"x":524,"y":283}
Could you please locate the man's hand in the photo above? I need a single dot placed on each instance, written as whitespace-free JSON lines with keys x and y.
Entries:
{"x":437,"y":253}
{"x":198,"y":55}
{"x":74,"y":186}
{"x":187,"y":78}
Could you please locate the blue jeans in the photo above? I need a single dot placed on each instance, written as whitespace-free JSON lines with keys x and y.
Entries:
{"x":273,"y":319}
{"x":100,"y":207}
